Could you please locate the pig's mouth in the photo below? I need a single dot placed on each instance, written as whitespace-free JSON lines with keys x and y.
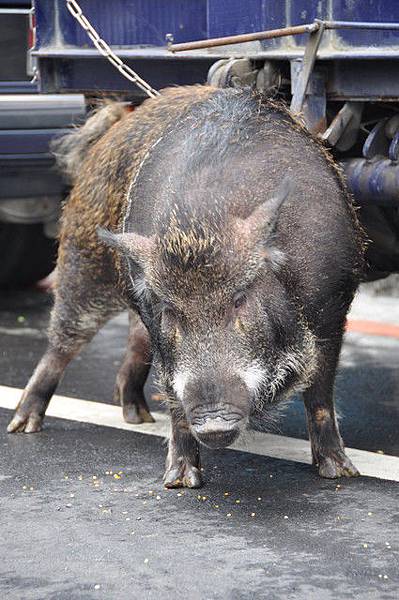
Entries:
{"x":217,"y":431}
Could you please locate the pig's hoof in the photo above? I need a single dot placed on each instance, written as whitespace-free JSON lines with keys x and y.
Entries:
{"x":25,"y":422}
{"x":338,"y":465}
{"x":134,"y":415}
{"x":184,"y":475}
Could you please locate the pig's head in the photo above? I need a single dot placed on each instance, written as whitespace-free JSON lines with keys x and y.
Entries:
{"x":209,"y":292}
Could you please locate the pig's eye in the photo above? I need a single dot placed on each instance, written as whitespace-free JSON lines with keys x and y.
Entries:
{"x":239,"y":300}
{"x":168,"y":310}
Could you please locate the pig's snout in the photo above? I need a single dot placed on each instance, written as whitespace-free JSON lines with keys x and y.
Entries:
{"x":216,"y":432}
{"x":216,"y":411}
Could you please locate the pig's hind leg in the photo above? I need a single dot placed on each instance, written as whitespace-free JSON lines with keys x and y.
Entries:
{"x":327,"y":446}
{"x":81,"y":307}
{"x":131,"y":378}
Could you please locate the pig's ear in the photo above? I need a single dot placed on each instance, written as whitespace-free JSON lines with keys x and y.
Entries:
{"x":138,"y":247}
{"x":263,"y":220}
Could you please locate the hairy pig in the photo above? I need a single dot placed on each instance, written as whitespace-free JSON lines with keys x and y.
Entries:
{"x":226,"y":231}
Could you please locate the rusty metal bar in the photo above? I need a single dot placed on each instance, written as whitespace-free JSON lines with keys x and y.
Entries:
{"x":246,"y":37}
{"x":274,"y":33}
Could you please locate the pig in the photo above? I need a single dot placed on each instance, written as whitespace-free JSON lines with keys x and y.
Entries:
{"x":227,"y":232}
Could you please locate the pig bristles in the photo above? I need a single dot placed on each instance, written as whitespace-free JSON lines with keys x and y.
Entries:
{"x":268,"y":421}
{"x":161,"y":382}
{"x":191,"y":242}
{"x":291,"y":362}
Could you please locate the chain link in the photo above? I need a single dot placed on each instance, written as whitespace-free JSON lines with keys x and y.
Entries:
{"x":106,"y":51}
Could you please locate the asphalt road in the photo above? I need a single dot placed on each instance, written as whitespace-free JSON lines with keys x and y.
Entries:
{"x":84,"y":515}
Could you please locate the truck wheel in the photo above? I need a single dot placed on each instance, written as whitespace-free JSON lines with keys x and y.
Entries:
{"x":27,"y":255}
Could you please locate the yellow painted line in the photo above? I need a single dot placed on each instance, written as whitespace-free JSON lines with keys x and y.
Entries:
{"x":381,"y":466}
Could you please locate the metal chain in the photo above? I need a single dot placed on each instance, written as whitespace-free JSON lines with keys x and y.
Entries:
{"x":106,"y":51}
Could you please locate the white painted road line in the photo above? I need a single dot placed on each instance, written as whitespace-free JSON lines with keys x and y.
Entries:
{"x":379,"y":308}
{"x":263,"y":444}
{"x":24,"y":332}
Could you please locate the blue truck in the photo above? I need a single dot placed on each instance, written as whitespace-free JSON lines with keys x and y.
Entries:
{"x":31,"y":191}
{"x":336,"y":62}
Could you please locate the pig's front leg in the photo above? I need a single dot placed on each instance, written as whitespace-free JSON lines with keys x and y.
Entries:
{"x":183,"y":460}
{"x":327,"y":446}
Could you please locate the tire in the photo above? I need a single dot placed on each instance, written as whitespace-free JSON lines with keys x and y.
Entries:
{"x":27,"y":255}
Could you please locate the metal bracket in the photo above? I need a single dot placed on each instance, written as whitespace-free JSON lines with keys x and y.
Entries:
{"x":309,"y":58}
{"x":313,"y":113}
{"x":344,"y":128}
{"x":268,"y":77}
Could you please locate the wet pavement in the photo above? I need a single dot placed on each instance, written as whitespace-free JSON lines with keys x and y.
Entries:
{"x":84,"y":515}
